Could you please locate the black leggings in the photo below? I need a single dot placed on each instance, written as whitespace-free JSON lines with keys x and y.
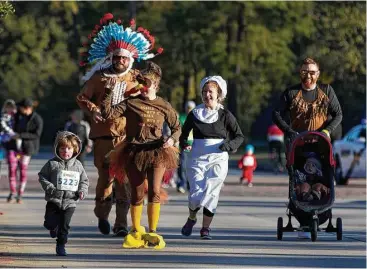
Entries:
{"x":56,"y":217}
{"x":206,"y":212}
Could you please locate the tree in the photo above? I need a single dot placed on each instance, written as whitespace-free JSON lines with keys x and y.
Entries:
{"x":6,"y":9}
{"x":339,"y":44}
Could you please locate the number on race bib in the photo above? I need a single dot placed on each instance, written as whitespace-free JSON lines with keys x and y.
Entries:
{"x":68,"y":180}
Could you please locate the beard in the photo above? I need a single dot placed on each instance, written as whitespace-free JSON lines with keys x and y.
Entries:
{"x":119,"y":68}
{"x":308,"y":82}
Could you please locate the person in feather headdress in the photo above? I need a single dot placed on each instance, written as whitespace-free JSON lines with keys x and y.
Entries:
{"x":145,"y":153}
{"x":111,"y":52}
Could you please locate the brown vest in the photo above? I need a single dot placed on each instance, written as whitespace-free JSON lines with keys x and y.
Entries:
{"x":309,"y":116}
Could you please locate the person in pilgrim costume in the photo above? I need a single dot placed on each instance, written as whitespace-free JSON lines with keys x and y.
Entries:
{"x":216,"y":133}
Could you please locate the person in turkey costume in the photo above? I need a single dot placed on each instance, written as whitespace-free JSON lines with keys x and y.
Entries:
{"x":110,"y":54}
{"x":145,"y":153}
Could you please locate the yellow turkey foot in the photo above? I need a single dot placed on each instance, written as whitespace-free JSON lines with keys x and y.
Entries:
{"x":154,"y":240}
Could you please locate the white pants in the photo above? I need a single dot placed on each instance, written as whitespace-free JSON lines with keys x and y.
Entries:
{"x":207,"y":168}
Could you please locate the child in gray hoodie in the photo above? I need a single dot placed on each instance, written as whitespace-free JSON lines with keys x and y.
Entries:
{"x":64,"y":181}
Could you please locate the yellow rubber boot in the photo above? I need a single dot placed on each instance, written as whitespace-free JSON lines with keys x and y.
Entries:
{"x":154,"y":209}
{"x":134,"y":238}
{"x":135,"y":212}
{"x":152,"y":239}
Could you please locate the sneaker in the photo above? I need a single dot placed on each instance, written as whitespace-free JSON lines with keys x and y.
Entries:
{"x":304,"y":235}
{"x":120,"y":232}
{"x":10,"y":198}
{"x":104,"y":226}
{"x":19,"y":200}
{"x":53,"y":233}
{"x":205,"y":233}
{"x":307,"y":197}
{"x":250,"y":185}
{"x":172,"y":183}
{"x":180,"y":190}
{"x":316,"y":195}
{"x":187,"y":228}
{"x":60,"y":250}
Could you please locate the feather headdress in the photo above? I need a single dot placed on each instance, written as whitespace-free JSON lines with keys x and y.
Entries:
{"x":109,"y":37}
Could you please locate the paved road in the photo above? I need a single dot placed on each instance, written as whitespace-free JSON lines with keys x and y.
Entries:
{"x":244,"y":232}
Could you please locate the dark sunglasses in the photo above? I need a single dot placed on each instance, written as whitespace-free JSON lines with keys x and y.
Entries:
{"x":312,"y":73}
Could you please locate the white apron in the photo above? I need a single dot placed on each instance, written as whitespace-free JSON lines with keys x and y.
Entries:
{"x":207,"y":168}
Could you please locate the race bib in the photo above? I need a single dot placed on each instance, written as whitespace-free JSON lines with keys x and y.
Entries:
{"x":68,"y":180}
{"x":248,"y":161}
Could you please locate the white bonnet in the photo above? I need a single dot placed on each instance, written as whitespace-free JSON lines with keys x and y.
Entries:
{"x":218,"y":79}
{"x":190,"y":104}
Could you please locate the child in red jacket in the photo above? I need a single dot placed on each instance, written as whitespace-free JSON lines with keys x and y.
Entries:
{"x":248,"y":165}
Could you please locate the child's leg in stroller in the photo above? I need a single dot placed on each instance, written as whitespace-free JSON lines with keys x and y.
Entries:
{"x":305,"y":188}
{"x":303,"y":191}
{"x":318,"y":189}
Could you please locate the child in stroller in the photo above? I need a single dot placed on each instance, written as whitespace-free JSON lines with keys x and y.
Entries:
{"x":310,"y":165}
{"x":309,"y":180}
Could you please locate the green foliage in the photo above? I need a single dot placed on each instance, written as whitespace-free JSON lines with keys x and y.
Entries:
{"x":340,"y":46}
{"x":256,"y":46}
{"x":6,"y":9}
{"x":36,"y":56}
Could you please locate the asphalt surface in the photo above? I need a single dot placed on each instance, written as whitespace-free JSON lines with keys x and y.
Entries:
{"x":243,"y":230}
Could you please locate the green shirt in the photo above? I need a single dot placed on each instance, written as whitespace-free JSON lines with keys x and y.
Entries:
{"x":182,"y":118}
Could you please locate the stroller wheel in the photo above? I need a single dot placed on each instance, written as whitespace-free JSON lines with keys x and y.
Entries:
{"x":339,"y":229}
{"x":313,"y":229}
{"x":280,"y":228}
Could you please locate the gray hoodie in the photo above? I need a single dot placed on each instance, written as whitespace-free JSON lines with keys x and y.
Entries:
{"x":55,"y":175}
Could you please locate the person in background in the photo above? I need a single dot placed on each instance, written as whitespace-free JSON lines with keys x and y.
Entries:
{"x":276,"y":144}
{"x":6,"y":127}
{"x":248,"y":165}
{"x":182,"y":183}
{"x":81,"y":128}
{"x":28,"y":127}
{"x":7,"y":121}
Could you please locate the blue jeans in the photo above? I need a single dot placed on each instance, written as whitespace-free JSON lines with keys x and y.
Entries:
{"x":181,"y":171}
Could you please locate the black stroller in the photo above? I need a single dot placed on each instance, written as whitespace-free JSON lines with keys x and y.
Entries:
{"x":311,"y":214}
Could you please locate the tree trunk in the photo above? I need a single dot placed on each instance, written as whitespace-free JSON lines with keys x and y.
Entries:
{"x":186,"y":85}
{"x":231,"y":95}
{"x":132,"y":10}
{"x":232,"y":83}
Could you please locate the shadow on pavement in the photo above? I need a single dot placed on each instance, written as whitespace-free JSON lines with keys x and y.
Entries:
{"x":141,"y":257}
